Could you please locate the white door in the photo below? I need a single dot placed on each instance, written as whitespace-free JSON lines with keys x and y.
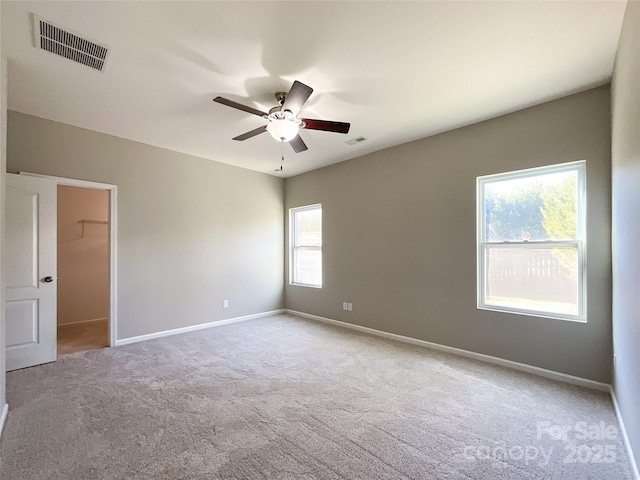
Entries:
{"x":30,"y":275}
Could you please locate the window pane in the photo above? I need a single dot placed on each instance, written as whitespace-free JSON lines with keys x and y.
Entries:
{"x":540,"y":207}
{"x":308,"y":228}
{"x":543,"y":279}
{"x":307,"y":267}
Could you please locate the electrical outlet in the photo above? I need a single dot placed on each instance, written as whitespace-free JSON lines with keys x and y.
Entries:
{"x":614,"y":360}
{"x":225,"y":303}
{"x":350,"y":306}
{"x":345,"y":306}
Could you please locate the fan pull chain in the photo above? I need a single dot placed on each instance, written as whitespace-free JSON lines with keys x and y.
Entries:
{"x":281,"y":154}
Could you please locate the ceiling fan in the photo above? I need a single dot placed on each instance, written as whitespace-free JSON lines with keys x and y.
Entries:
{"x":283,"y":122}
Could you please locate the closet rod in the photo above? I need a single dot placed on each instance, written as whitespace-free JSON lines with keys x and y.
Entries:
{"x":95,"y":222}
{"x":92,"y":222}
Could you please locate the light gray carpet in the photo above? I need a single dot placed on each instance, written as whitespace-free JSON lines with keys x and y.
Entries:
{"x":285,"y":398}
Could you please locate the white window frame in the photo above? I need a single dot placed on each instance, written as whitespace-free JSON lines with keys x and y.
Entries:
{"x":580,"y":243}
{"x":294,"y":246}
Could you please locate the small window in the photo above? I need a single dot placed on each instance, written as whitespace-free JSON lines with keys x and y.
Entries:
{"x":531,"y":242}
{"x":306,"y":246}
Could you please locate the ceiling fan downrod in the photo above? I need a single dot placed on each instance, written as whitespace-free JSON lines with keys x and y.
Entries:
{"x":281,"y":97}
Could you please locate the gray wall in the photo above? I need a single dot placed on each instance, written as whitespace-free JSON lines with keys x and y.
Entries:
{"x":191,"y":232}
{"x":399,"y":231}
{"x":626,"y":224}
{"x":3,"y":162}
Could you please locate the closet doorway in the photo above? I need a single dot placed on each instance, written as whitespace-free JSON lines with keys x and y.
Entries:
{"x":83,"y":286}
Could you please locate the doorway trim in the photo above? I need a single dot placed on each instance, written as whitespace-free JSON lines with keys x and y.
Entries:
{"x":113,"y":229}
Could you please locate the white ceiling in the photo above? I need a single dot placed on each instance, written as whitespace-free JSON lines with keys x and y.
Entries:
{"x":398,"y":71}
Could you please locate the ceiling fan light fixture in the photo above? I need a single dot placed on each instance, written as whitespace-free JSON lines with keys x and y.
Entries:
{"x":282,"y":129}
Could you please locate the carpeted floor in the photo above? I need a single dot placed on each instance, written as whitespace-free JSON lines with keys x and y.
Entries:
{"x":285,"y":398}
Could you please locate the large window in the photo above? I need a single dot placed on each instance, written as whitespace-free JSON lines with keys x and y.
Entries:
{"x":531,"y":242}
{"x":306,"y":246}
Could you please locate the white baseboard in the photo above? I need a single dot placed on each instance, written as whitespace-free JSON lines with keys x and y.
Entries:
{"x":83,"y":321}
{"x":562,"y":377}
{"x":3,"y":417}
{"x":193,"y":328}
{"x":625,"y":437}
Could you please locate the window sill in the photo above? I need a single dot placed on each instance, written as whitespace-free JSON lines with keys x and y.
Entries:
{"x":533,"y":313}
{"x":305,"y":285}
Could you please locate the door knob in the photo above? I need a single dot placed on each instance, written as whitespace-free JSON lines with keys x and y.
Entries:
{"x":47,"y":279}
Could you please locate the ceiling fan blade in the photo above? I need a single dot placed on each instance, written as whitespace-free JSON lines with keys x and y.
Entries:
{"x":298,"y":144}
{"x":296,"y":97}
{"x":239,"y":106}
{"x":325,"y":125}
{"x":252,"y":133}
